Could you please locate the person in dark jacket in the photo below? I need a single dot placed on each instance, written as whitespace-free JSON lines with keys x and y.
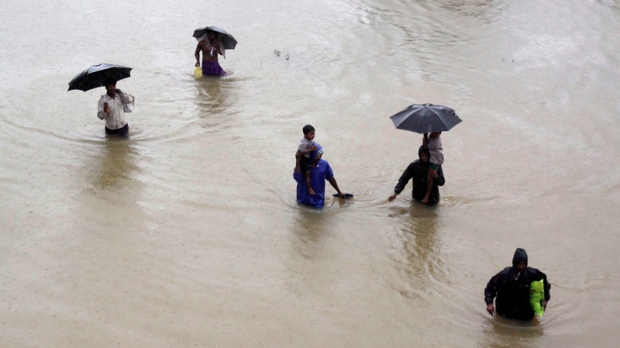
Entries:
{"x":511,"y":289}
{"x":418,"y":173}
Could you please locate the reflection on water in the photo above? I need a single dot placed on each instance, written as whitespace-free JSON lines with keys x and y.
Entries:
{"x":511,"y":333}
{"x":309,"y":232}
{"x":115,"y":190}
{"x":116,"y":166}
{"x":310,"y":258}
{"x":112,"y":215}
{"x":110,"y":206}
{"x":213,"y":100}
{"x":211,"y":96}
{"x":422,"y":255}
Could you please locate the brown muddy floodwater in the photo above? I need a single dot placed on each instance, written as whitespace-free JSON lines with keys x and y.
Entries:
{"x":188,"y":233}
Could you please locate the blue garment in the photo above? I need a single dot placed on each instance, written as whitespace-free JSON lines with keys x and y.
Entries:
{"x":318,"y":175}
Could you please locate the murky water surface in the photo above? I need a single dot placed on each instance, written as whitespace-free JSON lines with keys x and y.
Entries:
{"x":189,"y":234}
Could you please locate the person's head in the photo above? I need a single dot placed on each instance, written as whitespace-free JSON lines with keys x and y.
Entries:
{"x":110,"y":85}
{"x":434,"y":135}
{"x":211,"y":35}
{"x":316,"y":154}
{"x":423,"y":154}
{"x":519,"y":260}
{"x":308,"y":132}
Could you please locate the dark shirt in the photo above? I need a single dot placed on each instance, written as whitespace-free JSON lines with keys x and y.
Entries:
{"x":417,"y":172}
{"x":512,"y":292}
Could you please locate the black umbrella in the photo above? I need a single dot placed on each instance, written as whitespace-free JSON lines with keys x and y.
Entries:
{"x":97,"y":75}
{"x":426,"y":118}
{"x":228,"y":41}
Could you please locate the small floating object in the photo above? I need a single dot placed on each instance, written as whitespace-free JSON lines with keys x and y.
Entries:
{"x":346,"y":195}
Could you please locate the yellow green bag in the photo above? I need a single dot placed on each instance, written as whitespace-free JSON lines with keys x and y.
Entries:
{"x":537,"y":296}
{"x":198,"y":72}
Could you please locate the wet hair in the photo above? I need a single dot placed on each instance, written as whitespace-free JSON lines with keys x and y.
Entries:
{"x":424,"y":150}
{"x":307,"y":129}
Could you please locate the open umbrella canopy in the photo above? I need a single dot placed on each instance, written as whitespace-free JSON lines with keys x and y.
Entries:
{"x":228,"y":41}
{"x":426,"y":118}
{"x":97,"y":75}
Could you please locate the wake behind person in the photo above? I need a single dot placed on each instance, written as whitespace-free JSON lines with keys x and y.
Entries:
{"x":210,"y":45}
{"x":419,"y":172}
{"x":320,"y":171}
{"x":111,"y":108}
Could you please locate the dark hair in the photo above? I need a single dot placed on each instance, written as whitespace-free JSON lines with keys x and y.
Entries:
{"x":109,"y":82}
{"x":307,"y":129}
{"x":424,"y":150}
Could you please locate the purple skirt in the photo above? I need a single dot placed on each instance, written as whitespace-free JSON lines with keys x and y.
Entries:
{"x":212,"y":68}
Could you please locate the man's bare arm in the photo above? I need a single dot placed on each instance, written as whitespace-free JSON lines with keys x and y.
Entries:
{"x":197,"y":54}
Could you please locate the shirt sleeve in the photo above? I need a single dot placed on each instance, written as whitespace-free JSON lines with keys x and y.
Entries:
{"x":126,"y":98}
{"x":491,"y":290}
{"x":329,"y":173}
{"x":434,"y":144}
{"x":100,"y":113}
{"x":404,"y":179}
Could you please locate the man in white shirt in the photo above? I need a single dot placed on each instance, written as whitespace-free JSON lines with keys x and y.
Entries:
{"x":112,"y":109}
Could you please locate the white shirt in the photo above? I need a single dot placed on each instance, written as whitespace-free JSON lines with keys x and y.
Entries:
{"x":305,"y":145}
{"x":436,"y":150}
{"x":116,"y":118}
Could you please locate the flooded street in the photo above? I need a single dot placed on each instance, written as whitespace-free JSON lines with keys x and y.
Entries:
{"x":188,"y":233}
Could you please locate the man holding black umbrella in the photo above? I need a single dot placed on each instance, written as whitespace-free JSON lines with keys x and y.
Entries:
{"x":424,"y":119}
{"x":212,"y":40}
{"x":112,"y":106}
{"x":210,"y":46}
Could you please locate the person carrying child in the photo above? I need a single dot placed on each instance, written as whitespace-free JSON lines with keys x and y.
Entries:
{"x":320,"y":171}
{"x":432,"y":142}
{"x":306,"y":146}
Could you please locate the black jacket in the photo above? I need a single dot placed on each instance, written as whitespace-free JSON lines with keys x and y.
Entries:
{"x":513,"y":292}
{"x":418,"y":171}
